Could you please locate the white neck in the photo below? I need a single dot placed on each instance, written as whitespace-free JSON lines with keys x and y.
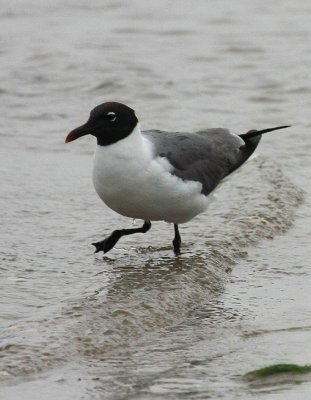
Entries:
{"x":131,"y":150}
{"x":121,"y":161}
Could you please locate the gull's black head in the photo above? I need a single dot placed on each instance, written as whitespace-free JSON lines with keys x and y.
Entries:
{"x":109,"y":122}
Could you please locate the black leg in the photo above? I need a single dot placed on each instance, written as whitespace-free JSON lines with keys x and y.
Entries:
{"x":177,"y":240}
{"x":108,"y":243}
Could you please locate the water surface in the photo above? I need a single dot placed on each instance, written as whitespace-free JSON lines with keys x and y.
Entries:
{"x":140,"y":322}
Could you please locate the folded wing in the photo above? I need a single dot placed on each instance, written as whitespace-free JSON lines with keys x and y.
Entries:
{"x":206,"y":156}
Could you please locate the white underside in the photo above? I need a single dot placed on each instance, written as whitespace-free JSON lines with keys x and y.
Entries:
{"x":133,"y":183}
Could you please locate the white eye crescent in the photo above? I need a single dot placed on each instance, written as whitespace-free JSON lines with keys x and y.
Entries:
{"x":111,"y":116}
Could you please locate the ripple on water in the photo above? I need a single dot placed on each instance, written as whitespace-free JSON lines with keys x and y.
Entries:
{"x":162,"y":290}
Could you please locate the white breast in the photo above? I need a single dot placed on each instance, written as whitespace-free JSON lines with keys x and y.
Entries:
{"x":133,"y":183}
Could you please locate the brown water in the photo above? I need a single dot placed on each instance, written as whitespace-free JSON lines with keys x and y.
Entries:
{"x":142,"y":323}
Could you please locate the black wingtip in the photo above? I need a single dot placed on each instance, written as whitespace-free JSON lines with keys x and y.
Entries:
{"x":273,"y":129}
{"x":255,"y":132}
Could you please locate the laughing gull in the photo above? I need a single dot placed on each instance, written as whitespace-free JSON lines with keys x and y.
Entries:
{"x":155,"y":175}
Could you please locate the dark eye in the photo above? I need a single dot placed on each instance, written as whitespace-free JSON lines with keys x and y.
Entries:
{"x":111,"y":116}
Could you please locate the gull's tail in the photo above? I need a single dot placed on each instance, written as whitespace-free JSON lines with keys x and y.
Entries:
{"x":255,"y":132}
{"x":251,"y":140}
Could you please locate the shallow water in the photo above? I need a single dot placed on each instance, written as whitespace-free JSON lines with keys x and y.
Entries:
{"x":141,"y":323}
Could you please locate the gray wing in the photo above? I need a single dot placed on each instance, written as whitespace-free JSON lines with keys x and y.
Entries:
{"x":206,"y":156}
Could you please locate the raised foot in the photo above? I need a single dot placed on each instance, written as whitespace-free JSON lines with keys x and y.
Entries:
{"x":105,"y":245}
{"x":108,"y":243}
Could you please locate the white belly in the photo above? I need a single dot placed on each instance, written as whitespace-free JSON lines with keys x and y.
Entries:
{"x":135,"y":185}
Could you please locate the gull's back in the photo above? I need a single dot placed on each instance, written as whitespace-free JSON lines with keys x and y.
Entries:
{"x":206,"y":156}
